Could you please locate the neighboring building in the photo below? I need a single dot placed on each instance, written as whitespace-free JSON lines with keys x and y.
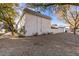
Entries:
{"x":54,"y":26}
{"x":36,"y":23}
{"x":59,"y":29}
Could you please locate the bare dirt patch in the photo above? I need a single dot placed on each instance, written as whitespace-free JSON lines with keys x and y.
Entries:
{"x":44,"y":45}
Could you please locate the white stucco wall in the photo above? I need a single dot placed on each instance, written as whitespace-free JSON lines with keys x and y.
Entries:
{"x":30,"y":24}
{"x":46,"y":25}
{"x":36,"y":24}
{"x":39,"y":25}
{"x":59,"y":30}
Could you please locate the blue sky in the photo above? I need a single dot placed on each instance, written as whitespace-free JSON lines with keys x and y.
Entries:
{"x":54,"y":20}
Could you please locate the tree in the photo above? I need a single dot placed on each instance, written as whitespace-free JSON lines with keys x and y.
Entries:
{"x":70,"y":14}
{"x":7,"y":14}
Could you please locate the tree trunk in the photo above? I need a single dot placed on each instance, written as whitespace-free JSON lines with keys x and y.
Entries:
{"x":12,"y":33}
{"x":74,"y":31}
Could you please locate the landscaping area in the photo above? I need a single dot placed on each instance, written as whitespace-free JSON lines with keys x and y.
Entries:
{"x":60,"y":44}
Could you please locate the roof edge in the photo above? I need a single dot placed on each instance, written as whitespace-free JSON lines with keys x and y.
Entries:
{"x":36,"y":13}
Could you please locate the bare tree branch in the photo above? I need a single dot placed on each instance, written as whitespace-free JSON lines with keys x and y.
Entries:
{"x":66,"y":18}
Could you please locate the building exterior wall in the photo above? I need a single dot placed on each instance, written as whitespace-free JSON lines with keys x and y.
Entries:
{"x":58,"y":30}
{"x":36,"y":25}
{"x":39,"y":25}
{"x":46,"y":25}
{"x":30,"y":24}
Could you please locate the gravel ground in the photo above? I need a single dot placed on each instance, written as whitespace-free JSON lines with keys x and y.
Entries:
{"x":61,"y":44}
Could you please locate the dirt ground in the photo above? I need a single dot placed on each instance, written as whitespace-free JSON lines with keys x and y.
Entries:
{"x":61,"y":44}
